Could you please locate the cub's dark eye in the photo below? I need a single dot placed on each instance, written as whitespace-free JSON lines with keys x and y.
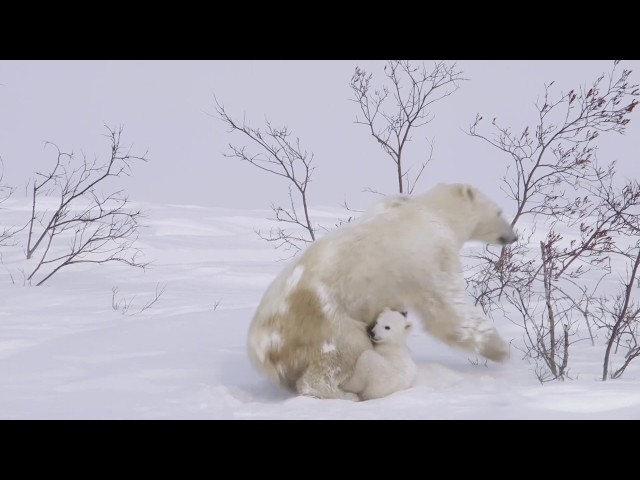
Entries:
{"x":387,"y":327}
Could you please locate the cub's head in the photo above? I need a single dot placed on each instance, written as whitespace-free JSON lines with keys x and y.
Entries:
{"x":391,"y":327}
{"x":489,"y":226}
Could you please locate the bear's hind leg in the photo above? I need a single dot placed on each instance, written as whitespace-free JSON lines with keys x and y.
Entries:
{"x":321,"y":380}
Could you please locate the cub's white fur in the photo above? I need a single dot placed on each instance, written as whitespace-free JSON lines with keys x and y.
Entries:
{"x":387,"y":368}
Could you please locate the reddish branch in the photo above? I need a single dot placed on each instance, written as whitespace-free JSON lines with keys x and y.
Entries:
{"x":623,"y":318}
{"x":554,"y":176}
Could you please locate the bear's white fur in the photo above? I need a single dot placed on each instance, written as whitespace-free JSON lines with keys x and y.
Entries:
{"x":311,"y":325}
{"x":388,"y":368}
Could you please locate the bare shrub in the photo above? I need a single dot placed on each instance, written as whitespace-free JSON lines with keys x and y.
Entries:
{"x":126,"y":306}
{"x":280,"y":154}
{"x":85,"y":225}
{"x":402,"y":104}
{"x":554,"y":181}
{"x":6,"y":232}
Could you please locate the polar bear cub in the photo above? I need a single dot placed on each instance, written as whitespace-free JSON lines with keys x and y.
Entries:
{"x":387,"y":368}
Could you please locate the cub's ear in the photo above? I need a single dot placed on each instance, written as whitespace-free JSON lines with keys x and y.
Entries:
{"x":466,"y":191}
{"x":404,"y":314}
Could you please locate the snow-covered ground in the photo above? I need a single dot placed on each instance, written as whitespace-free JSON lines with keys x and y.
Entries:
{"x":65,"y":352}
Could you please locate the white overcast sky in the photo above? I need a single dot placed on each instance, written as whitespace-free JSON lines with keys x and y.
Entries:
{"x":166,"y":108}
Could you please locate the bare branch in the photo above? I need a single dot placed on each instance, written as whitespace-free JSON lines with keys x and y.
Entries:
{"x":7,"y":233}
{"x":125,"y":305}
{"x":282,"y":155}
{"x":554,"y":178}
{"x":411,"y":91}
{"x":99,"y":227}
{"x":622,"y":317}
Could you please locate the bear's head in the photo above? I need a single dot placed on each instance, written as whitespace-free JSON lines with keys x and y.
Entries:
{"x":489,"y":226}
{"x":391,"y":327}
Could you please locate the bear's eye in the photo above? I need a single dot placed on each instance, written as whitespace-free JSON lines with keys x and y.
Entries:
{"x":500,"y":213}
{"x":387,"y":327}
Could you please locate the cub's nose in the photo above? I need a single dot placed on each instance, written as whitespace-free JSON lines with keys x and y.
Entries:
{"x":507,"y":239}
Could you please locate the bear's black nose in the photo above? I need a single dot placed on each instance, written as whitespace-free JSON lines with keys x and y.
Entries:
{"x":507,"y":239}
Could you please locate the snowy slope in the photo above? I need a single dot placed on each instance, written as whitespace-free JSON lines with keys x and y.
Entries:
{"x":66,"y":353}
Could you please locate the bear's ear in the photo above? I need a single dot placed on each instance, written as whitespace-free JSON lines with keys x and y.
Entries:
{"x":466,"y":191}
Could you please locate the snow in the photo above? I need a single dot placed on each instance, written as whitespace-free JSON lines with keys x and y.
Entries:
{"x":65,"y":352}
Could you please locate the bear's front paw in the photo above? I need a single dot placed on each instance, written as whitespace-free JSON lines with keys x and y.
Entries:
{"x":495,"y":349}
{"x":351,"y":396}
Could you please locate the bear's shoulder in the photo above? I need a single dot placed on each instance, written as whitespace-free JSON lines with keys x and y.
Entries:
{"x":386,"y":205}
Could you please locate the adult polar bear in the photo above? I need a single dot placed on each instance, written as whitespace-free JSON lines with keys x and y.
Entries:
{"x":311,"y":325}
